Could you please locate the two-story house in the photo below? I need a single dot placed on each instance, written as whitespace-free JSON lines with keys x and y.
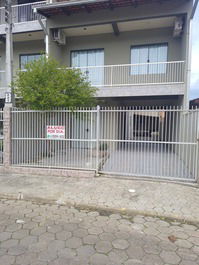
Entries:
{"x":137,"y":52}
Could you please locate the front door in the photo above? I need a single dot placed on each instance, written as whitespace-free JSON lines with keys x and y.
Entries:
{"x":91,"y":63}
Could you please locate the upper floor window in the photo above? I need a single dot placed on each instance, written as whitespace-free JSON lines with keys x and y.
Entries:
{"x":149,"y":59}
{"x":85,"y":60}
{"x":26,"y":58}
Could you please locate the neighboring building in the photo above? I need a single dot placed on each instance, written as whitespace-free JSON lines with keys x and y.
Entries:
{"x":194,"y":103}
{"x":135,"y":51}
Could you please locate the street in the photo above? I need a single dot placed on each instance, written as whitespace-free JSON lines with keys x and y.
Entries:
{"x":43,"y":234}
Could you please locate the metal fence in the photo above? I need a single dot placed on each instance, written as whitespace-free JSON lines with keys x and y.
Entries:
{"x":22,"y":13}
{"x":147,"y":142}
{"x":1,"y":136}
{"x":135,"y":74}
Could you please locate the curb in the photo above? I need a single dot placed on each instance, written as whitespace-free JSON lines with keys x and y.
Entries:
{"x":101,"y":209}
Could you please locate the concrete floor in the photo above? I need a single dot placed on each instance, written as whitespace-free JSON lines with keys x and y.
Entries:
{"x":153,"y":160}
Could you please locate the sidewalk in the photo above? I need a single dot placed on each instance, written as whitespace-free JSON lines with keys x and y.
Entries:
{"x":161,"y":199}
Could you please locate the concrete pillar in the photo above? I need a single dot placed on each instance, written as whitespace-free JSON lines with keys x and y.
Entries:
{"x":7,"y":136}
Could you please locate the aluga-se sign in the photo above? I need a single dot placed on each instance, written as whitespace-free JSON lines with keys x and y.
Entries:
{"x":55,"y":132}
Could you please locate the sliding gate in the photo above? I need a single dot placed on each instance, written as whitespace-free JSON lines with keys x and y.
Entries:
{"x":158,"y":143}
{"x":147,"y":142}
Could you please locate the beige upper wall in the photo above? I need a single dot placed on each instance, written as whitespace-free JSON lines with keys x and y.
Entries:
{"x":22,"y":48}
{"x":27,"y":48}
{"x":117,"y":49}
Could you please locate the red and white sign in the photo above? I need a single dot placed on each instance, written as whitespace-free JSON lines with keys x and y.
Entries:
{"x":55,"y":132}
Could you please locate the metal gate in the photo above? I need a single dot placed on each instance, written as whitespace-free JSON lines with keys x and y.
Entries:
{"x":147,"y":142}
{"x":150,"y":142}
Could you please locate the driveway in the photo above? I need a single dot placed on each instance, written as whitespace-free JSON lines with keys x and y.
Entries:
{"x":152,"y":160}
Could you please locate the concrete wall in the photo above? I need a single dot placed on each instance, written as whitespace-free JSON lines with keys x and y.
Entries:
{"x":117,"y":50}
{"x":28,"y":47}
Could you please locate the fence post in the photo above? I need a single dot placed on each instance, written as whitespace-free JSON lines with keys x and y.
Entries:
{"x":7,"y":136}
{"x":97,"y":139}
{"x":197,"y":149}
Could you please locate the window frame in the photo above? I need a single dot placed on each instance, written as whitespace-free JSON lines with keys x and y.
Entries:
{"x":83,"y":50}
{"x":166,"y":44}
{"x":27,"y":54}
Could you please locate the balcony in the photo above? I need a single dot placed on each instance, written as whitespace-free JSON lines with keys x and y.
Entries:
{"x":162,"y":78}
{"x":135,"y":74}
{"x":22,"y":13}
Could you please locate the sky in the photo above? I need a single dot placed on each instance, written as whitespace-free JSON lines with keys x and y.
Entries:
{"x":194,"y":92}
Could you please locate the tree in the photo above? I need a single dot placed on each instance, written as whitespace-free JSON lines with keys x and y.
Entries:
{"x":45,"y":84}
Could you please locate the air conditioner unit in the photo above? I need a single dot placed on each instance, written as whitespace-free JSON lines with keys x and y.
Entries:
{"x":58,"y":36}
{"x":178,"y":27}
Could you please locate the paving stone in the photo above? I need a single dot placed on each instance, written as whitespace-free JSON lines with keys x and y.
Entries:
{"x":20,"y":234}
{"x":117,"y":255}
{"x":38,"y":246}
{"x":183,"y":243}
{"x":84,"y":252}
{"x":70,"y":227}
{"x":47,"y":237}
{"x":90,"y":239}
{"x":38,"y":231}
{"x":26,"y":259}
{"x":120,"y":244}
{"x":54,"y":228}
{"x":56,"y":245}
{"x":122,"y":235}
{"x":194,"y":240}
{"x":9,"y":243}
{"x":99,"y":259}
{"x":73,"y":242}
{"x":63,"y":235}
{"x":47,"y":255}
{"x":170,"y":257}
{"x":107,"y":236}
{"x":103,"y":246}
{"x":152,"y":249}
{"x":186,"y":254}
{"x":133,"y":262}
{"x":7,"y":260}
{"x":5,"y":236}
{"x":67,"y":252}
{"x":80,"y":233}
{"x":95,"y":231}
{"x":26,"y":241}
{"x":17,"y":250}
{"x":135,"y":252}
{"x":151,"y":259}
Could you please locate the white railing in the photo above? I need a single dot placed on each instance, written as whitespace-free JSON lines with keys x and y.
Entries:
{"x":135,"y":74}
{"x":22,"y":13}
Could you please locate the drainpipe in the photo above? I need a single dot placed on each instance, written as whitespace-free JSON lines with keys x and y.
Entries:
{"x":45,"y":32}
{"x":189,"y":53}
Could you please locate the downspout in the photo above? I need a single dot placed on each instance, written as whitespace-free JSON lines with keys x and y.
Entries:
{"x":189,"y":53}
{"x":45,"y":32}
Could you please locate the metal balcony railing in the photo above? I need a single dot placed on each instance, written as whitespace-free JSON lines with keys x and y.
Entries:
{"x":135,"y":74}
{"x":22,"y":13}
{"x":129,"y":74}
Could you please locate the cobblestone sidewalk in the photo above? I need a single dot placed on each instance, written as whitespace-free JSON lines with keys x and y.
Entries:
{"x":144,"y":197}
{"x":41,"y":234}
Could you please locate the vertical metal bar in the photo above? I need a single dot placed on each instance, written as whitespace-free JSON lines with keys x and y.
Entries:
{"x":97,"y":139}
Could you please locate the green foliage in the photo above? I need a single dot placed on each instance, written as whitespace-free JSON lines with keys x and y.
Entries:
{"x":46,"y":85}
